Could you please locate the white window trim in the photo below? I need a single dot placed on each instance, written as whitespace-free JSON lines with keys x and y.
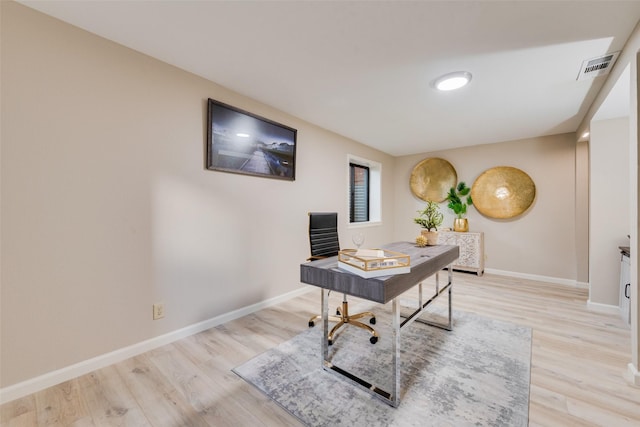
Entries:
{"x":375,"y":191}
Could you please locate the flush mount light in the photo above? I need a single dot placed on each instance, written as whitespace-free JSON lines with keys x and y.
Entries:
{"x":243,"y":135}
{"x":452,"y":81}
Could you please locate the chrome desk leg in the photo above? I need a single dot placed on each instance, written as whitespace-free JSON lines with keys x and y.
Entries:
{"x":450,"y":278}
{"x":395,"y":349}
{"x":448,"y":287}
{"x":325,"y":324}
{"x":391,"y":398}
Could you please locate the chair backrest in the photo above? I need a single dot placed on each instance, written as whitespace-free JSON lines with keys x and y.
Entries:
{"x":323,"y":234}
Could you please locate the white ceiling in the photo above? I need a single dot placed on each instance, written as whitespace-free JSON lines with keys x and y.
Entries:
{"x":363,"y":69}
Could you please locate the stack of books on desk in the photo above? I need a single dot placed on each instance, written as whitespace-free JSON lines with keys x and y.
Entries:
{"x":369,"y":263}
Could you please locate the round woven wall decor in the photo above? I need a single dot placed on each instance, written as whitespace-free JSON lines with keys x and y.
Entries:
{"x":503,"y":192}
{"x":432,"y":178}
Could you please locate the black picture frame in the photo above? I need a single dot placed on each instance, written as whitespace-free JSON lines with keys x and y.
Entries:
{"x":244,"y":143}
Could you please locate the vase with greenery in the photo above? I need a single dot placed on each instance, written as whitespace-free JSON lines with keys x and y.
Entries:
{"x":430,"y":218}
{"x":459,"y":198}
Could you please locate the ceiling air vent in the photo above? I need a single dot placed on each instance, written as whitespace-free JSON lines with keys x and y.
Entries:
{"x":599,"y":66}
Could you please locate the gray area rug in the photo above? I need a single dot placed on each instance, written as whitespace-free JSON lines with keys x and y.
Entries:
{"x":476,"y":375}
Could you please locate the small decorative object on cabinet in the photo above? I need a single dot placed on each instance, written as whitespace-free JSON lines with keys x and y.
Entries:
{"x":471,"y":249}
{"x":430,"y":219}
{"x":458,"y":204}
{"x":625,"y":284}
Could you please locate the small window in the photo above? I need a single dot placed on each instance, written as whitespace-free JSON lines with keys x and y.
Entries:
{"x":364,"y":191}
{"x":359,"y":193}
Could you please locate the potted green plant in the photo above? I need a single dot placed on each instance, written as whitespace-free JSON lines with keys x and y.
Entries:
{"x":459,"y":198}
{"x":430,"y":218}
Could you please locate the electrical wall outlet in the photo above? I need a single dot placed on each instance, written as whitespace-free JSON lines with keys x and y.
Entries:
{"x":158,"y":311}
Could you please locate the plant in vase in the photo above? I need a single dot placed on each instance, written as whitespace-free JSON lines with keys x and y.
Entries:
{"x":459,"y":198}
{"x":430,"y":219}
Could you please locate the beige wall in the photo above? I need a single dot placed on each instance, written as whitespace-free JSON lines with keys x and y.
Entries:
{"x":540,"y":242}
{"x":582,"y":212}
{"x":107,"y":208}
{"x":609,"y":207}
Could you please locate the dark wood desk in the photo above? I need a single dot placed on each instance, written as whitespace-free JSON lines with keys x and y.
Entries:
{"x":425,"y":262}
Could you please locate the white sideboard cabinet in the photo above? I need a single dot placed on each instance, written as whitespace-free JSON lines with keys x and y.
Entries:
{"x":471,"y":249}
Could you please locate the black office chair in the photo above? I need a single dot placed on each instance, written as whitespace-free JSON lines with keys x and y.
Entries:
{"x":323,"y":239}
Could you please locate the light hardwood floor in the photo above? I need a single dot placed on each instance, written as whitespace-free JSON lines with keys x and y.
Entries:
{"x":578,"y":361}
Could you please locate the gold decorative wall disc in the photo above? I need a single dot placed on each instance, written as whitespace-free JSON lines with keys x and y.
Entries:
{"x":503,"y":192}
{"x":432,"y":178}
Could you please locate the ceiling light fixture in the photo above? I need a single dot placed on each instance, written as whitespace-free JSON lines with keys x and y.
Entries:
{"x":452,"y":81}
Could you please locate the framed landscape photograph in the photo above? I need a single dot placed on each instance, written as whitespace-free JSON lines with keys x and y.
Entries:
{"x":244,"y":143}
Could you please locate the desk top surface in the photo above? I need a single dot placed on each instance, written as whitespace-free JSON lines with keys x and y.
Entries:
{"x":426,"y":261}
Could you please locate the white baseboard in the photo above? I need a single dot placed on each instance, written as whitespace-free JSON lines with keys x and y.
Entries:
{"x":547,"y":279}
{"x":49,"y":379}
{"x":583,"y":285}
{"x":603,"y":308}
{"x":633,"y":376}
{"x":566,"y":282}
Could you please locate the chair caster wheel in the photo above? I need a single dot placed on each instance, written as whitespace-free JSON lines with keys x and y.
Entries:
{"x":373,"y":340}
{"x":372,"y":320}
{"x":311,"y":324}
{"x":338,"y":313}
{"x":330,"y":342}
